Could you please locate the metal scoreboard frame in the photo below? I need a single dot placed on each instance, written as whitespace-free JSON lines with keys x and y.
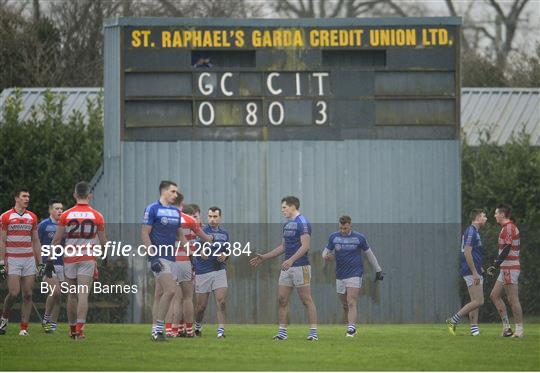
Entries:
{"x":354,"y":116}
{"x":276,"y":79}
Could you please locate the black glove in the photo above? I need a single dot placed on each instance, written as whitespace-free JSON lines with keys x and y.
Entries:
{"x":49,"y":269}
{"x":155,"y":265}
{"x":491,"y":270}
{"x":3,"y":272}
{"x":379,"y":276}
{"x":40,"y":271}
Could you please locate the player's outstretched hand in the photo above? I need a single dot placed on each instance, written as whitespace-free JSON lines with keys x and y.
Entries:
{"x":222,"y":258}
{"x":155,"y":265}
{"x":3,"y":272}
{"x":491,"y":270}
{"x":327,"y":255}
{"x":49,"y":269}
{"x":379,"y":276}
{"x":255,"y":261}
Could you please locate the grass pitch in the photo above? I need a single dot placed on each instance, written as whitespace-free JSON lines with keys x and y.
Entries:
{"x":250,"y":347}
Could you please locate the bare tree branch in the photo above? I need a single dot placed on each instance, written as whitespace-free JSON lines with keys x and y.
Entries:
{"x":451,"y":8}
{"x":396,"y":8}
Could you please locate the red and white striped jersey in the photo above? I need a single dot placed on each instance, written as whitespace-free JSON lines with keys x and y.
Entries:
{"x":510,"y":236}
{"x":19,"y":228}
{"x":82,"y":223}
{"x":189,"y":226}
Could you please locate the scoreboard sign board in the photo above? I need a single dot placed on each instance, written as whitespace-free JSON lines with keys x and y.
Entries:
{"x":273,"y":79}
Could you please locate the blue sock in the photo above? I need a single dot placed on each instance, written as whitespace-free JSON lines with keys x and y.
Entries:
{"x":312,"y":332}
{"x":351,"y":328}
{"x":456,"y":318}
{"x":220,"y":331}
{"x":282,"y":332}
{"x":160,"y":326}
{"x":475,"y":329}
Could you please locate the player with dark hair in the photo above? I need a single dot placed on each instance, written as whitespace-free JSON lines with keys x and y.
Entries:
{"x":295,"y":269}
{"x":82,"y":227}
{"x":210,"y":274}
{"x":508,"y":263}
{"x":159,"y":232}
{"x":19,"y":252}
{"x":471,"y":271}
{"x":181,"y":310}
{"x":346,"y":246}
{"x":54,"y":269}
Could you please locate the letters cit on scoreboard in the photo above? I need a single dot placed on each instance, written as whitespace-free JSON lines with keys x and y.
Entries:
{"x":275,"y":87}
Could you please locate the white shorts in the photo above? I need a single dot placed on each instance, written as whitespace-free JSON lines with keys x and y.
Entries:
{"x":85,"y":268}
{"x":21,"y":266}
{"x":59,"y":272}
{"x":295,"y":276}
{"x":184,"y":271}
{"x":508,"y":276}
{"x":469,"y":280}
{"x":167,"y":266}
{"x":351,"y":282}
{"x":210,"y":281}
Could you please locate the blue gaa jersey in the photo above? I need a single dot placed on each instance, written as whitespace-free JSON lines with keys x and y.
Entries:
{"x":471,"y":238}
{"x":221,"y":236}
{"x":292,"y":231}
{"x":348,"y":252}
{"x":46,"y":231}
{"x":165,"y":221}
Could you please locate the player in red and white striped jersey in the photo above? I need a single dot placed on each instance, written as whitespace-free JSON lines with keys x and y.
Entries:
{"x":509,"y":272}
{"x":181,"y":309}
{"x":19,"y":251}
{"x":83,"y":227}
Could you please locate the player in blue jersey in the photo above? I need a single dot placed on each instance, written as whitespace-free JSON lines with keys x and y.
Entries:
{"x":471,"y":270}
{"x":346,"y":247}
{"x":295,"y":269}
{"x":210,"y":273}
{"x":54,"y":269}
{"x":159,"y":233}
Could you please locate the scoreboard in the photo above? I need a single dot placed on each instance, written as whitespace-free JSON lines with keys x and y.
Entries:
{"x":268,"y":79}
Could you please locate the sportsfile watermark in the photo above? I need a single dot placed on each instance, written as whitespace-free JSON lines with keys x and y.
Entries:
{"x":120,"y":249}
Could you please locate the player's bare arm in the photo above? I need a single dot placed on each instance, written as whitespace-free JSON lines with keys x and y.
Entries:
{"x":145,"y":235}
{"x":467,"y":251}
{"x":36,"y":246}
{"x":259,"y":258}
{"x":305,"y":240}
{"x":3,"y":238}
{"x":180,"y":237}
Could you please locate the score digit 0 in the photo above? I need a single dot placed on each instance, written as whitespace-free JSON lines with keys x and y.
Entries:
{"x":275,"y":113}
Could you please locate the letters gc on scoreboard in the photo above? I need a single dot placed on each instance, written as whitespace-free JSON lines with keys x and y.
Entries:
{"x":272,"y":79}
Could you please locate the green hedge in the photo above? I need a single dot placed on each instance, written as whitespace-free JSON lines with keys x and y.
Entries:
{"x":491,"y":175}
{"x":47,"y":153}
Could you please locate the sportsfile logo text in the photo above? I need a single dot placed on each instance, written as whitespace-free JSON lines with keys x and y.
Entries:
{"x":113,"y":248}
